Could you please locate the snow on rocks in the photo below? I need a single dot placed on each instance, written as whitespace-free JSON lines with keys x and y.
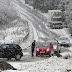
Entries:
{"x":6,"y":66}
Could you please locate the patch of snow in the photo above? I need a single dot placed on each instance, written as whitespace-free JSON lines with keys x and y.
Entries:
{"x":26,"y":53}
{"x":70,"y":49}
{"x":42,"y":35}
{"x":40,"y":27}
{"x":23,"y":2}
{"x":14,"y":71}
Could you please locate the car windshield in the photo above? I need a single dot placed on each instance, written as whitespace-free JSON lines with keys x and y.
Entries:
{"x":57,"y":23}
{"x":63,"y":38}
{"x":54,"y":43}
{"x":16,"y":46}
{"x":44,"y":45}
{"x":57,"y":19}
{"x":5,"y":46}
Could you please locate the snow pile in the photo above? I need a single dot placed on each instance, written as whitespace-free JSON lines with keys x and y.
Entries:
{"x":52,"y":64}
{"x":67,"y":53}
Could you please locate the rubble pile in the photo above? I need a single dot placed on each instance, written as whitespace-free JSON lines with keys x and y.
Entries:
{"x":6,"y":66}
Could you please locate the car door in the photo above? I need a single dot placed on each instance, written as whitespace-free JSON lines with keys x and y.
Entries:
{"x":16,"y":49}
{"x":5,"y":50}
{"x":1,"y":52}
{"x":13,"y":49}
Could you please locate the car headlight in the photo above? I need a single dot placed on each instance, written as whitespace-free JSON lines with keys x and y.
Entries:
{"x":59,"y":42}
{"x":55,"y":47}
{"x":48,"y":49}
{"x":37,"y":49}
{"x":67,"y":42}
{"x":53,"y":25}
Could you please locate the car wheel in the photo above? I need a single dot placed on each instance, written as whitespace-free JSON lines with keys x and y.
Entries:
{"x":61,"y":45}
{"x":67,"y":45}
{"x":8,"y":58}
{"x":55,"y":52}
{"x":18,"y":57}
{"x":37,"y":55}
{"x":51,"y":54}
{"x":59,"y":51}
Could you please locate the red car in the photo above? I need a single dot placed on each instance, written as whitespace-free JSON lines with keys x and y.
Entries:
{"x":45,"y":48}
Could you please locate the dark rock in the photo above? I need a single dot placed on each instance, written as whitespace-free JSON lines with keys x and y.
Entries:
{"x":66,"y":57}
{"x":6,"y":66}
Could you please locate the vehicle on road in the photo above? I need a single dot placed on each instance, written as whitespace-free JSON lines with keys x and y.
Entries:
{"x":44,"y":48}
{"x":64,"y":41}
{"x":11,"y":51}
{"x":55,"y":19}
{"x":57,"y":47}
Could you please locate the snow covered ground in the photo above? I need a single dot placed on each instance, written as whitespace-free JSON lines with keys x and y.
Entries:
{"x":52,"y":64}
